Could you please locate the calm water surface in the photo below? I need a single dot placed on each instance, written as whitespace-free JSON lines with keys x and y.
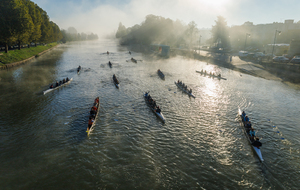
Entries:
{"x":43,"y":143}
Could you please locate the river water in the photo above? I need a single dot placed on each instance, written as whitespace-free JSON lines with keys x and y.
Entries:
{"x":44,"y":144}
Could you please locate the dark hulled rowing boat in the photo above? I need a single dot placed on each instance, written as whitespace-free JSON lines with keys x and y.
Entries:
{"x":92,"y":126}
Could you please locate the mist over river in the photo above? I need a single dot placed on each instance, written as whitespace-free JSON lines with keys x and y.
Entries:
{"x":44,"y":145}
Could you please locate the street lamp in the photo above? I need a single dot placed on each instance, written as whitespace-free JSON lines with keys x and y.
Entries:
{"x":247,"y":35}
{"x":279,"y":32}
{"x":199,"y":43}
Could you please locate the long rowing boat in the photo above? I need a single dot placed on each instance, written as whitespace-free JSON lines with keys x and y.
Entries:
{"x":256,"y":150}
{"x":159,"y":115}
{"x":214,"y":76}
{"x":51,"y":89}
{"x":92,"y":127}
{"x":78,"y":69}
{"x":184,"y":90}
{"x":116,"y":82}
{"x":160,"y":74}
{"x":133,"y":60}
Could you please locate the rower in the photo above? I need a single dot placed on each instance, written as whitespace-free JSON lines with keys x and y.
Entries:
{"x":60,"y":82}
{"x":107,"y":52}
{"x":202,"y":71}
{"x":246,"y":118}
{"x":129,"y":52}
{"x":97,"y":100}
{"x":90,"y":123}
{"x":219,"y":75}
{"x":248,"y":126}
{"x":190,"y":91}
{"x":146,"y":94}
{"x":67,"y":79}
{"x":158,"y":110}
{"x":56,"y":84}
{"x":154,"y":104}
{"x":257,"y":143}
{"x":252,"y":133}
{"x":51,"y":86}
{"x":94,"y":108}
{"x":64,"y":80}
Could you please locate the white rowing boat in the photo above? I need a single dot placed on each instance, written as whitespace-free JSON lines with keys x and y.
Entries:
{"x":160,"y":115}
{"x":51,"y":89}
{"x":207,"y":74}
{"x":179,"y":86}
{"x":92,"y":127}
{"x":256,"y":150}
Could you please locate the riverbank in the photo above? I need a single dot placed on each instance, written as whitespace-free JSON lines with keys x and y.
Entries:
{"x":17,"y":57}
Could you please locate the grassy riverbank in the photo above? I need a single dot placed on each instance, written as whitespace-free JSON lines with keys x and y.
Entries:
{"x":25,"y":53}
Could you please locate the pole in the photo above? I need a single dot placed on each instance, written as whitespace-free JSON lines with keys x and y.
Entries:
{"x":246,"y":41}
{"x":274,"y":43}
{"x":199,"y":44}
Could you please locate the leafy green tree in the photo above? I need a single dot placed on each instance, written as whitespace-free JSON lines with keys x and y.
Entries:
{"x":7,"y":19}
{"x":23,"y":22}
{"x":220,"y":33}
{"x":46,"y":29}
{"x":37,"y":21}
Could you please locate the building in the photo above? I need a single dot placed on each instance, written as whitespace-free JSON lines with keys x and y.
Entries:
{"x":294,"y":48}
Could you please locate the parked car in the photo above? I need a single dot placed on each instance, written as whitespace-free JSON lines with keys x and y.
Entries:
{"x":259,"y":54}
{"x":280,"y":59}
{"x":243,"y":54}
{"x":296,"y":59}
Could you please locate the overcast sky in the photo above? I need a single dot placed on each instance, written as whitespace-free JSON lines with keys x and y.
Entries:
{"x":103,"y":16}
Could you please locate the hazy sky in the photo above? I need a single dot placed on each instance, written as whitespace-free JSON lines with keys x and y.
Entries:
{"x":103,"y":16}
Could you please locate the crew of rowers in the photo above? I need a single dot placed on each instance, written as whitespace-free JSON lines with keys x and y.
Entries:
{"x":152,"y":103}
{"x":212,"y":74}
{"x":93,"y":114}
{"x":59,"y":83}
{"x":250,"y":131}
{"x":180,"y":83}
{"x":115,"y":79}
{"x":134,"y":60}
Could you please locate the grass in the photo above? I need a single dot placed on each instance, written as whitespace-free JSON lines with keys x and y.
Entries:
{"x":19,"y":55}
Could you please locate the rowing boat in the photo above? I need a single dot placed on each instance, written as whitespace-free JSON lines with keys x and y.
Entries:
{"x":160,"y":74}
{"x":207,"y":74}
{"x":256,"y":150}
{"x":184,"y":90}
{"x":78,"y":70}
{"x":134,"y":60}
{"x":116,"y":82}
{"x":92,"y":127}
{"x":159,"y":115}
{"x":51,"y":89}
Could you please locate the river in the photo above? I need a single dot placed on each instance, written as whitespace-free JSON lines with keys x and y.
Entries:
{"x":44,"y":144}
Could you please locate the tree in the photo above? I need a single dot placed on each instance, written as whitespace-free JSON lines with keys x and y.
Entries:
{"x":7,"y":27}
{"x":220,"y":33}
{"x":23,"y":22}
{"x":121,"y":32}
{"x":37,"y":22}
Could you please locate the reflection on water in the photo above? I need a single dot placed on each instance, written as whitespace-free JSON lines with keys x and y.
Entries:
{"x":44,"y":144}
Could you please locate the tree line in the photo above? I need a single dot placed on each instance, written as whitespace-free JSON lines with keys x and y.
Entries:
{"x":72,"y":35}
{"x":23,"y":22}
{"x":159,"y":30}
